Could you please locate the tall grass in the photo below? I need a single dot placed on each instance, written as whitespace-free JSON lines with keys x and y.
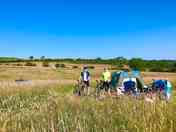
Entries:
{"x":54,"y":109}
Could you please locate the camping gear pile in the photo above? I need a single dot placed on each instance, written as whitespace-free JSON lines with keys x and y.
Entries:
{"x":131,"y":83}
{"x":126,"y":82}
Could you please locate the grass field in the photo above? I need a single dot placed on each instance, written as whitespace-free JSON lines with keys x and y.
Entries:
{"x":47,"y":104}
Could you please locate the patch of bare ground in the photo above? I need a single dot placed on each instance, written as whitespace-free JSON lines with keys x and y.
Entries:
{"x":34,"y":83}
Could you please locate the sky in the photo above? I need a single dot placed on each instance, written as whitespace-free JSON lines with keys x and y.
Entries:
{"x":88,"y":28}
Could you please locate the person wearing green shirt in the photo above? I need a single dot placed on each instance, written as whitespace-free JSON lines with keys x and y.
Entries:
{"x":106,"y":78}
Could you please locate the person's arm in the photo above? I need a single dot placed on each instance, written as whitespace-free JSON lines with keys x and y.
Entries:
{"x":110,"y":76}
{"x":102,"y":77}
{"x":81,"y":76}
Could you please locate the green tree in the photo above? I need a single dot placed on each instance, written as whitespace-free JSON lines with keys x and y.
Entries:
{"x":42,"y":58}
{"x":121,"y":61}
{"x":137,"y":63}
{"x":31,"y":57}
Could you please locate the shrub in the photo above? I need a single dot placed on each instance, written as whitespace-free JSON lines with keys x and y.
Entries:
{"x":18,"y":64}
{"x":91,"y":67}
{"x":30,"y":64}
{"x":75,"y":67}
{"x":60,"y":65}
{"x":45,"y":64}
{"x":113,"y":68}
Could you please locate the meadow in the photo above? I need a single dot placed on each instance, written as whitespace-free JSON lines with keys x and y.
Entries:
{"x":46,"y":104}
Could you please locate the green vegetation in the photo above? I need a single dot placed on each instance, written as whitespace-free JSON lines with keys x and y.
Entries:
{"x":55,"y":109}
{"x":8,"y":59}
{"x":153,"y":65}
{"x":30,"y":64}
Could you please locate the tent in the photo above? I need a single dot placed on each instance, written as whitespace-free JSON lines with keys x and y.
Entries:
{"x":118,"y":79}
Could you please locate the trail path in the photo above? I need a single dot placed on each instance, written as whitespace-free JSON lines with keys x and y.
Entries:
{"x":34,"y":83}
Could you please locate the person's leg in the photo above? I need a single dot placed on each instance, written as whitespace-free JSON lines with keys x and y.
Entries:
{"x":109,"y":89}
{"x":88,"y":87}
{"x":104,"y":87}
{"x":85,"y":87}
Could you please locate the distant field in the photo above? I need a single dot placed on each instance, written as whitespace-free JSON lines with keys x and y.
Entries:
{"x":39,"y":74}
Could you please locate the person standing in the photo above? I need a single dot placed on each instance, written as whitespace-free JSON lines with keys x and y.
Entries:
{"x":85,"y":78}
{"x":106,"y":78}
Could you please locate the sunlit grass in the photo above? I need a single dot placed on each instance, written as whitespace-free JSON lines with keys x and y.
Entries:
{"x":55,"y":109}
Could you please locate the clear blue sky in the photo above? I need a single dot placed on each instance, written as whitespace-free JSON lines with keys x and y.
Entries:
{"x":88,"y":28}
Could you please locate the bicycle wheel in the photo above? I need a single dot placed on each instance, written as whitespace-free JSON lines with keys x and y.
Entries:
{"x":98,"y":91}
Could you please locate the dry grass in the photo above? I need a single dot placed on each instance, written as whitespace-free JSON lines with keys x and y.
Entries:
{"x":46,"y":104}
{"x":53,"y":109}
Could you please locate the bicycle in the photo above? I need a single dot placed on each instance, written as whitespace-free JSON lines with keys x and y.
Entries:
{"x":80,"y":88}
{"x":102,"y":89}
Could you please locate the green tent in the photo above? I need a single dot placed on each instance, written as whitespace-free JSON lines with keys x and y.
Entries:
{"x":119,"y":76}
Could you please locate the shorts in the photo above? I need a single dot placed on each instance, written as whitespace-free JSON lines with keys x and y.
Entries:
{"x":87,"y":83}
{"x":106,"y":85}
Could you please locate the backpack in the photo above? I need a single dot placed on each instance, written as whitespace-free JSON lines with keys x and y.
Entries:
{"x":129,"y":85}
{"x":159,"y":85}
